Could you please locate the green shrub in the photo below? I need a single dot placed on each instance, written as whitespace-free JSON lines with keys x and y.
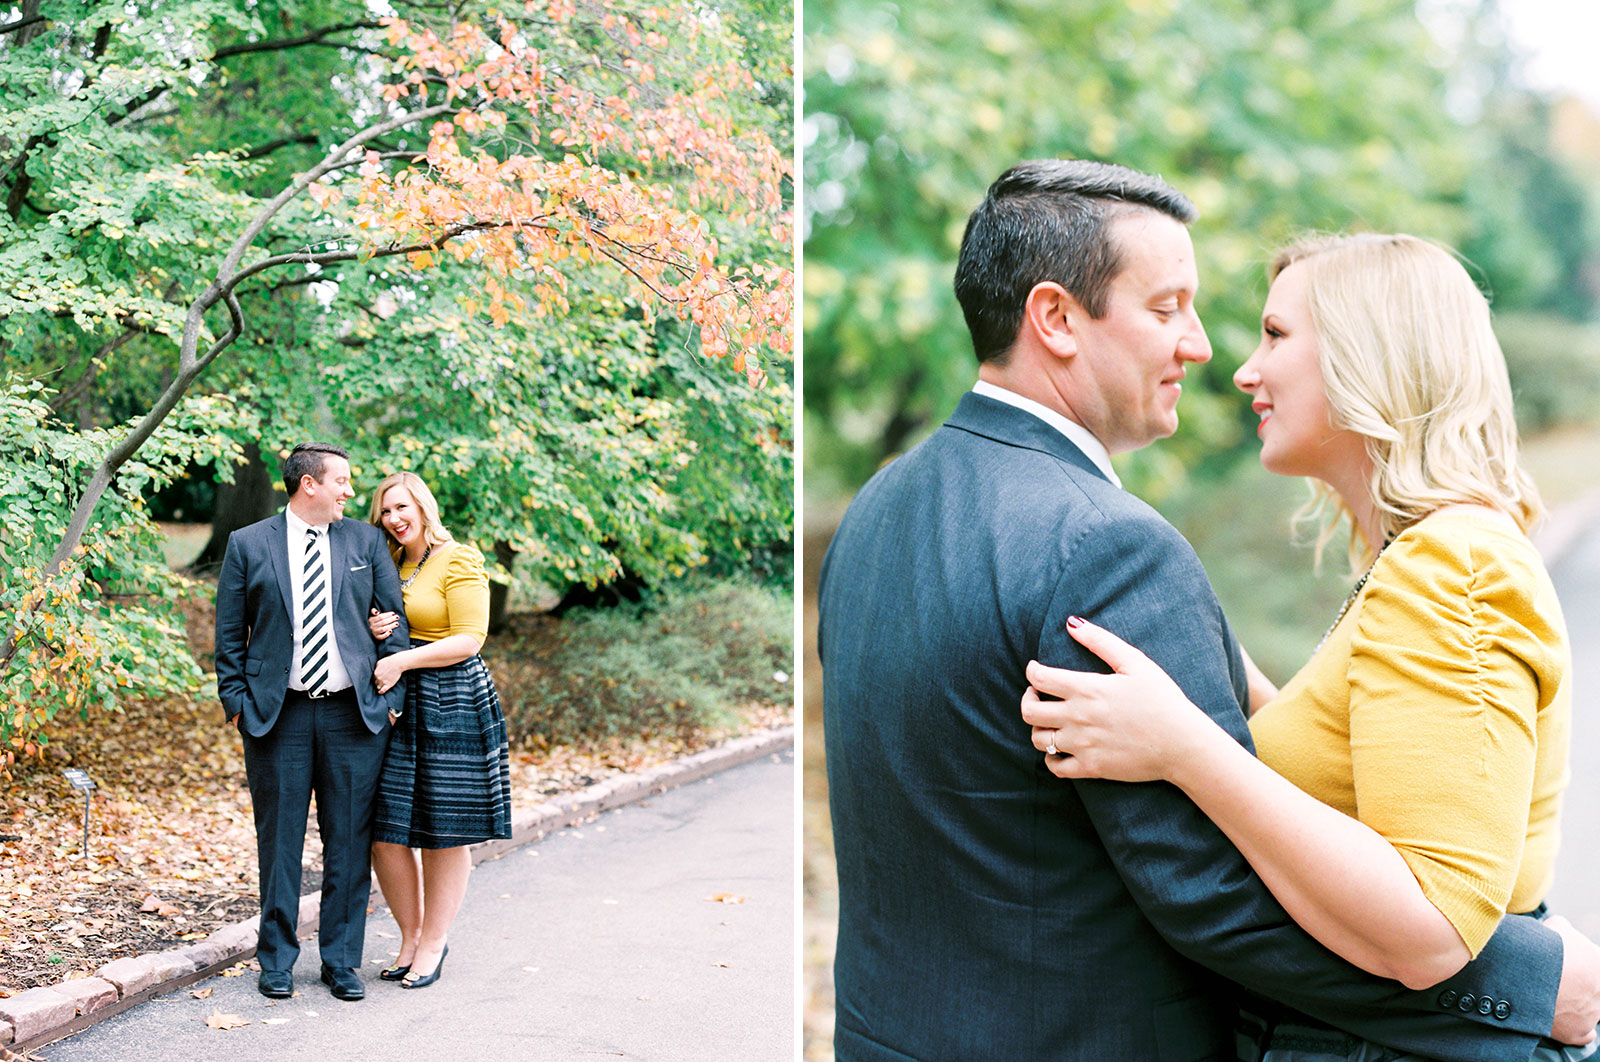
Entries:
{"x":675,"y":665}
{"x":1555,"y":370}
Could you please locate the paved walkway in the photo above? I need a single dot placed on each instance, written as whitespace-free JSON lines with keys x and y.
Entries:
{"x":597,"y":942}
{"x":1576,"y":573}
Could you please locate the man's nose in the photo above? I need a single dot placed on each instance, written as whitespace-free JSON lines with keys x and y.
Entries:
{"x":1195,"y":346}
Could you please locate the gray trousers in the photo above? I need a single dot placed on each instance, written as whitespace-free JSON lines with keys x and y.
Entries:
{"x":324,"y":747}
{"x":1292,"y":1041}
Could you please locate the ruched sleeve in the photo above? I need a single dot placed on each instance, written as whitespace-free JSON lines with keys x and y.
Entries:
{"x":1451,"y":663}
{"x":466,"y":593}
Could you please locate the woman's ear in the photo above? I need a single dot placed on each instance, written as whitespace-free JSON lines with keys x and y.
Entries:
{"x":1049,"y":313}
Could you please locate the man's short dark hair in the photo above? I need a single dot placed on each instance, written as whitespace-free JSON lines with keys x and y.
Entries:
{"x":308,"y":459}
{"x":1048,"y":219}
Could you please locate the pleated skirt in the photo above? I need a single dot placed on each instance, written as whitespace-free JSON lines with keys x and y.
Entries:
{"x":446,"y":779}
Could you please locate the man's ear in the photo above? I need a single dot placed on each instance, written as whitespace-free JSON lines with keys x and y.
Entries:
{"x":1050,"y":312}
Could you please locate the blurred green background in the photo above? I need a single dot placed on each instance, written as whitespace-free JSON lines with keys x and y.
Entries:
{"x":1275,"y":117}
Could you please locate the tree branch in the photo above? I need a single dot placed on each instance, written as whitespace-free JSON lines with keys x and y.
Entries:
{"x":289,"y":42}
{"x":21,"y":23}
{"x":381,"y":155}
{"x":663,"y":296}
{"x":270,"y":146}
{"x":221,"y":289}
{"x":71,"y":394}
{"x":225,"y":274}
{"x":19,"y":191}
{"x":327,"y":257}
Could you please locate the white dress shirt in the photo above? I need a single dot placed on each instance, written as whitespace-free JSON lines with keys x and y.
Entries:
{"x":1076,"y":433}
{"x":338,"y":677}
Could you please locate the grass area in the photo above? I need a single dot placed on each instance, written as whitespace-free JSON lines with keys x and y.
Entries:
{"x":182,"y":543}
{"x":673,"y":666}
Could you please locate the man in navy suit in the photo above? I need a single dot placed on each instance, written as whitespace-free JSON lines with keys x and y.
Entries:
{"x":294,"y":673}
{"x":986,"y":908}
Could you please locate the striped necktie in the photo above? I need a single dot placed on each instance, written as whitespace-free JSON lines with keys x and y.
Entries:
{"x":314,"y":621}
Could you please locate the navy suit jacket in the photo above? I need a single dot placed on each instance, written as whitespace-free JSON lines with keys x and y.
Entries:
{"x":988,"y":909}
{"x":255,"y":619}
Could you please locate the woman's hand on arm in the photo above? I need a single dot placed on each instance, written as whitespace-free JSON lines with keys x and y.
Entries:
{"x":1133,"y":725}
{"x":382,"y":624}
{"x":442,"y":653}
{"x":1340,"y":880}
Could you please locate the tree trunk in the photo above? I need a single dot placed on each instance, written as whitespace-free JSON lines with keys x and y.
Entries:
{"x":498,"y":592}
{"x":244,"y":501}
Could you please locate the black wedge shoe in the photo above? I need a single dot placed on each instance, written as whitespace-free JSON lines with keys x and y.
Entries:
{"x":395,"y":973}
{"x":412,"y":980}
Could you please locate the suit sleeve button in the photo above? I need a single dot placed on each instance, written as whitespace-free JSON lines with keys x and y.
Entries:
{"x":1502,"y":1010}
{"x":1485,"y":1006}
{"x":1466,"y":1003}
{"x":1447,"y":998}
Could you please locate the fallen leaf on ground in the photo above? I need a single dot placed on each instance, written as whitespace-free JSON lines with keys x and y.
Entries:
{"x":725,"y":897}
{"x":273,"y":1021}
{"x":219,"y":1020}
{"x":202,"y":993}
{"x":177,"y":831}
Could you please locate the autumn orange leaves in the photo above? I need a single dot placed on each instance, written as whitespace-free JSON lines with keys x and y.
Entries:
{"x":645,"y":179}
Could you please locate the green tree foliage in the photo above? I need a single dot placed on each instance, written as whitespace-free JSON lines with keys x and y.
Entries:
{"x":1274,"y":117}
{"x":586,"y":444}
{"x":106,"y":626}
{"x":461,"y":252}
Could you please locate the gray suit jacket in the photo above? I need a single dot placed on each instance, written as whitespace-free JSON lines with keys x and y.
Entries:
{"x":990,"y":910}
{"x":255,"y":619}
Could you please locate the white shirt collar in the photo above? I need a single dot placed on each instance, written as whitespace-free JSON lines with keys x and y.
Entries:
{"x":1076,"y":433}
{"x":297,"y":526}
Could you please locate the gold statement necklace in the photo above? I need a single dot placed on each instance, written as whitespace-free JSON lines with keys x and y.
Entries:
{"x":405,"y":584}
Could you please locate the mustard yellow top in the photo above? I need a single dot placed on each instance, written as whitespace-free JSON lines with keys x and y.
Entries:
{"x":451,"y":596}
{"x":1438,"y":712}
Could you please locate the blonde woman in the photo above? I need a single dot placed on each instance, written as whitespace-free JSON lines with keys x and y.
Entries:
{"x":1410,"y":776}
{"x":445,"y":782}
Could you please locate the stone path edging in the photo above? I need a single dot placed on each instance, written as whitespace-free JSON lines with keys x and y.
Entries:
{"x":44,"y":1015}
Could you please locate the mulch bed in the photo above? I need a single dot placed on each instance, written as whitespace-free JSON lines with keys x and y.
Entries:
{"x":171,"y":843}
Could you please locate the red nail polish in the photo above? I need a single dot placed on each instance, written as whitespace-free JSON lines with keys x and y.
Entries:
{"x":1074,"y":621}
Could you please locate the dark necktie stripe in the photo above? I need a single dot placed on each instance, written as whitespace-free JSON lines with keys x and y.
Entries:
{"x":314,"y":621}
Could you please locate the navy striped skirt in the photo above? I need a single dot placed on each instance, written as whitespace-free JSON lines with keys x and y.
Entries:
{"x":447,"y":776}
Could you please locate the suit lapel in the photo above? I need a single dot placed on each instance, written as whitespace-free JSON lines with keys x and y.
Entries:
{"x":1007,"y":424}
{"x":278,"y":548}
{"x":338,"y":550}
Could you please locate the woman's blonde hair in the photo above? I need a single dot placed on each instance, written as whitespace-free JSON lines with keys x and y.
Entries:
{"x":433,"y":529}
{"x":1410,"y":362}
